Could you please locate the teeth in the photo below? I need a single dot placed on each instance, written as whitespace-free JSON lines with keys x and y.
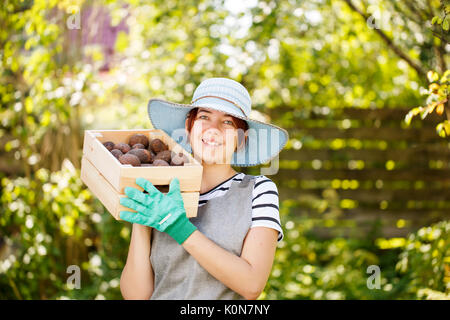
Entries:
{"x":212,"y":143}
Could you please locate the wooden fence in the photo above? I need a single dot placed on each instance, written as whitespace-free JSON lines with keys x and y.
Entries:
{"x":356,"y":171}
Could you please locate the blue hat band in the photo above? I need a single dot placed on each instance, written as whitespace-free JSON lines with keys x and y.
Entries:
{"x":220,"y":105}
{"x":211,"y":96}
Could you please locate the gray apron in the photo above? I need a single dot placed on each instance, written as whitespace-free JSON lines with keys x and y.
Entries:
{"x":224,"y":220}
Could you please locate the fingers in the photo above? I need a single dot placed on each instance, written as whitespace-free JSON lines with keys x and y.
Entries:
{"x":133,"y":204}
{"x":137,"y":195}
{"x":147,"y":185}
{"x":133,"y":217}
{"x":174,"y":186}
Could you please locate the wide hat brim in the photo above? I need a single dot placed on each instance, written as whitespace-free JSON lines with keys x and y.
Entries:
{"x":264,"y":141}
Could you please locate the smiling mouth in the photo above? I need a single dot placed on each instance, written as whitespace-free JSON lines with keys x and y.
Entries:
{"x":211,"y":144}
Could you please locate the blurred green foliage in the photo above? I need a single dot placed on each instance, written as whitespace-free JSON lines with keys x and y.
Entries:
{"x":425,"y":263}
{"x":307,"y":267}
{"x":50,"y":222}
{"x":43,"y":82}
{"x":301,"y":55}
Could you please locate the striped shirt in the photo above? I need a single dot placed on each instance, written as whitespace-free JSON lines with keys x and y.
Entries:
{"x":265,"y":210}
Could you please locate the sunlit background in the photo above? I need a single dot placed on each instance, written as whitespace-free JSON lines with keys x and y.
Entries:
{"x":361,"y":87}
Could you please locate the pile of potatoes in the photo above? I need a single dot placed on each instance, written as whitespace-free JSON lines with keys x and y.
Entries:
{"x":142,"y":152}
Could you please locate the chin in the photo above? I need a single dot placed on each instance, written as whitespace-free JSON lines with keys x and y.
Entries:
{"x":206,"y":159}
{"x":212,"y":160}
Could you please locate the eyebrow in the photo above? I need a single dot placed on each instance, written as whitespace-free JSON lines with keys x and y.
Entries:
{"x":203,"y":110}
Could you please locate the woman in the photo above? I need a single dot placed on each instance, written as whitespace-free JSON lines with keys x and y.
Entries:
{"x":227,"y":251}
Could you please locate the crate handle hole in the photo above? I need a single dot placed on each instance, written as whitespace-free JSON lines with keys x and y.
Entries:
{"x":161,"y":188}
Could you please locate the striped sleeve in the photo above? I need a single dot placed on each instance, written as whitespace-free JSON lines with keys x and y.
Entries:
{"x":265,"y":202}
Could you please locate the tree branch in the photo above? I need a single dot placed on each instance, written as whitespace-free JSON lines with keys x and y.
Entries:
{"x":440,"y":53}
{"x":390,"y":43}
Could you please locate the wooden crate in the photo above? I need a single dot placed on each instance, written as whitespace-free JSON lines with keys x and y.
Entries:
{"x":121,"y":176}
{"x":106,"y":177}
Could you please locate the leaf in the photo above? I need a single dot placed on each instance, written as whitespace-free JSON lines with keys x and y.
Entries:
{"x":408,"y":118}
{"x":443,"y":129}
{"x":445,"y":25}
{"x":432,"y":76}
{"x":424,"y":113}
{"x":413,"y":112}
{"x":434,"y":87}
{"x":431,"y":107}
{"x":445,"y":76}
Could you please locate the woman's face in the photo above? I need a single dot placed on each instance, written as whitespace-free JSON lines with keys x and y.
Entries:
{"x":213,"y":136}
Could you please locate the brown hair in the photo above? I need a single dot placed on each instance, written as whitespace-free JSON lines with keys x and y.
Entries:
{"x":239,"y":123}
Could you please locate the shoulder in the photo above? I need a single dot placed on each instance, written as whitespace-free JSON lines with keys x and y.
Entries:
{"x":264,"y":184}
{"x":265,"y":191}
{"x":265,"y":205}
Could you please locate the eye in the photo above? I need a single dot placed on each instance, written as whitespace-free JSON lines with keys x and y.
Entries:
{"x":200,"y":117}
{"x":229,"y":122}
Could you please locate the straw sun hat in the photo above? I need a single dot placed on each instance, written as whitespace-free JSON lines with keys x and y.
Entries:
{"x":264,"y":140}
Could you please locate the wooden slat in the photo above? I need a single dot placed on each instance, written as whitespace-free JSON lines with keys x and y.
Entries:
{"x":385,"y":113}
{"x":100,"y":187}
{"x":367,"y":174}
{"x":189,"y":176}
{"x":426,"y":216}
{"x":101,"y":158}
{"x":369,"y":195}
{"x":362,"y":232}
{"x":382,"y":114}
{"x":413,"y":154}
{"x":305,"y":123}
{"x":361,"y":226}
{"x":365,"y":214}
{"x":410,"y":134}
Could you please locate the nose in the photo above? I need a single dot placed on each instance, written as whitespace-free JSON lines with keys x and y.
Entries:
{"x":214,"y":131}
{"x":212,"y":134}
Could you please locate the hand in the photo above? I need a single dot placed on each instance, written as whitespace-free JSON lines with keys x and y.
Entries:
{"x":165,"y":213}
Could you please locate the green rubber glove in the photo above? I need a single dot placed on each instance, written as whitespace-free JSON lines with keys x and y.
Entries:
{"x":165,"y":213}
